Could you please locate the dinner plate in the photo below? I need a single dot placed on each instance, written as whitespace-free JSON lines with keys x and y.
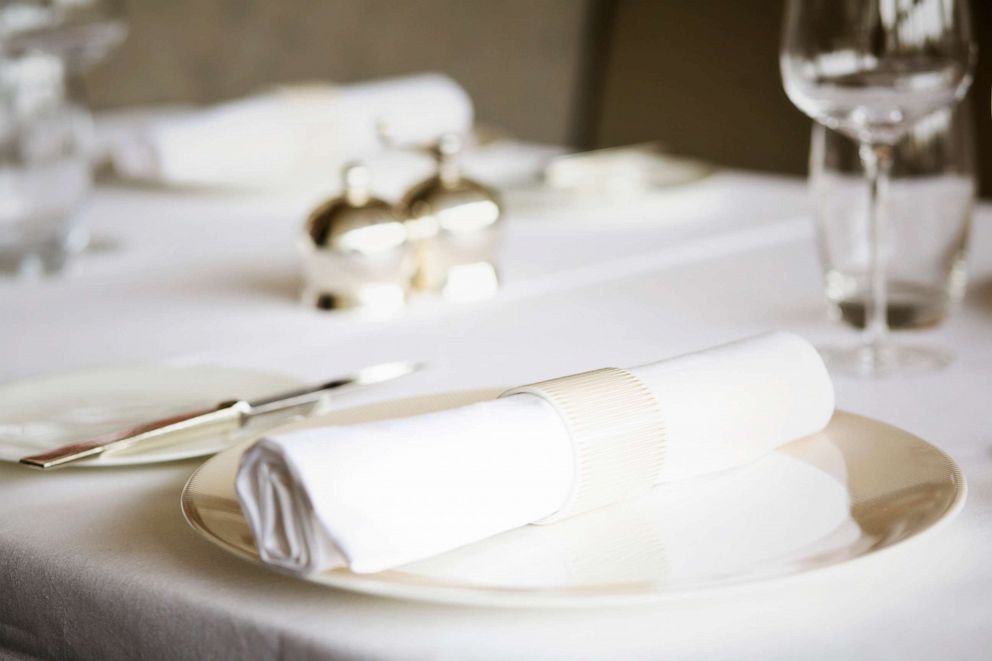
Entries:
{"x":850,"y":491}
{"x":47,"y":412}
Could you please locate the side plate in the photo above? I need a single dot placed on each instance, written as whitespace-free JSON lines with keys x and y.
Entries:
{"x":47,"y":412}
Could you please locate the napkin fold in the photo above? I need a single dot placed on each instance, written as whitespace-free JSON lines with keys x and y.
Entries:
{"x":378,"y":495}
{"x":282,"y":132}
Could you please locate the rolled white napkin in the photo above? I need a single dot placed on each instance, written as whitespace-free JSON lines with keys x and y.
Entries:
{"x":382,"y":494}
{"x":274,"y":135}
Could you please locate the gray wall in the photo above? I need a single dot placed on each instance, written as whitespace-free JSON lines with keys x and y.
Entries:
{"x":519,"y":59}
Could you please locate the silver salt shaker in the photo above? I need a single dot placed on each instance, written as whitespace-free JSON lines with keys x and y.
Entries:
{"x":356,"y":252}
{"x":455,"y":227}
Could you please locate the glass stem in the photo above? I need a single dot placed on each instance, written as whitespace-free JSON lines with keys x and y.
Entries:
{"x":877,"y":162}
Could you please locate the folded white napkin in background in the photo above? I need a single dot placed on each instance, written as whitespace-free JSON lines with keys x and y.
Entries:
{"x":382,"y":494}
{"x":286,"y":131}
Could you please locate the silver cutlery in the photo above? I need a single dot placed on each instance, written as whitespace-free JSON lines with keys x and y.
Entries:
{"x":223,"y":418}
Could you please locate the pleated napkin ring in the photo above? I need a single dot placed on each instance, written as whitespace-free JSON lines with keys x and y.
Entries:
{"x":617,"y":432}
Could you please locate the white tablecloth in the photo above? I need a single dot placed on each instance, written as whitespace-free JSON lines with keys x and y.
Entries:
{"x":99,"y":564}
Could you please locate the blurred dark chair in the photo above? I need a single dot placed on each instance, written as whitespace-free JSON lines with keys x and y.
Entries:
{"x":702,"y":77}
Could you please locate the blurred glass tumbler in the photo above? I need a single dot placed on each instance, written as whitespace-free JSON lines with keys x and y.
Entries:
{"x":45,"y":171}
{"x":929,"y":207}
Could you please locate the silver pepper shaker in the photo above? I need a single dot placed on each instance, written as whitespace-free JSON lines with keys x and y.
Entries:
{"x":454,"y":224}
{"x":356,"y":252}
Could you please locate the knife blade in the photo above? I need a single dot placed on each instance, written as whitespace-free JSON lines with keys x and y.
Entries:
{"x":223,"y":418}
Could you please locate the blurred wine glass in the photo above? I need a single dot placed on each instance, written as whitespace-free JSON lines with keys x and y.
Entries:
{"x":871,"y":69}
{"x":80,"y":32}
{"x":45,"y":128}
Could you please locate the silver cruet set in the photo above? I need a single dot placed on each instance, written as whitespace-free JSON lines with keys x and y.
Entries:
{"x":441,"y":239}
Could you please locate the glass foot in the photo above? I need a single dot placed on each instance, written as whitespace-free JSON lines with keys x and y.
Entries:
{"x":887,"y":360}
{"x":37,"y":259}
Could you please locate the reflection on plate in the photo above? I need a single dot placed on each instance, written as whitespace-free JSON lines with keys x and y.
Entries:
{"x":48,"y":412}
{"x":856,"y":488}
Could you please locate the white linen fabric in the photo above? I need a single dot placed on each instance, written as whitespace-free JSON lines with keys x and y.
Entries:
{"x":382,"y":494}
{"x":101,"y":565}
{"x":732,"y":404}
{"x":286,"y":131}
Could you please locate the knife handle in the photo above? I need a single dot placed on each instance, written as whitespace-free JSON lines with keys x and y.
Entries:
{"x":214,"y":420}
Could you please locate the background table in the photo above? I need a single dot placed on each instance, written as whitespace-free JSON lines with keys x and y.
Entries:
{"x":99,"y":564}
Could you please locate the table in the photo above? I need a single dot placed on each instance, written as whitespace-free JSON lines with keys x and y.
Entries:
{"x":100,"y":565}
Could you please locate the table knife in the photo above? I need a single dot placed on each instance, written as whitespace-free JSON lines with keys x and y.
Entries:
{"x":223,"y":418}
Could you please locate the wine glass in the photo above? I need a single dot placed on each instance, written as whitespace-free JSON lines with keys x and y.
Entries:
{"x":79,"y":32}
{"x":46,"y":140}
{"x":871,"y":69}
